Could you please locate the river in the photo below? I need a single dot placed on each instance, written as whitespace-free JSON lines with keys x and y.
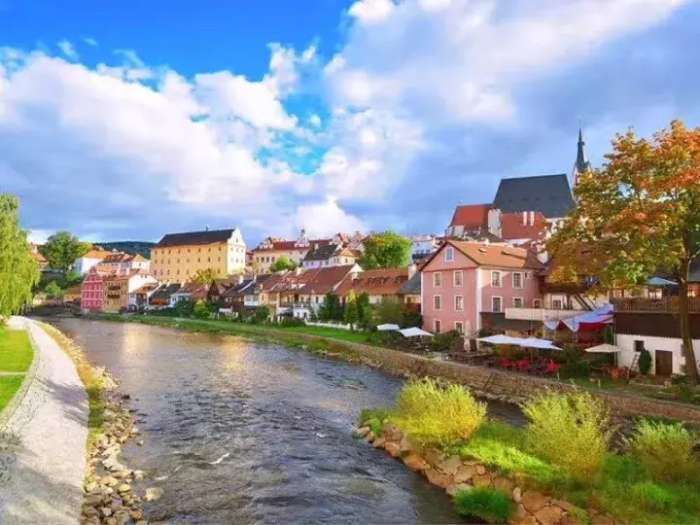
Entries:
{"x":237,"y":431}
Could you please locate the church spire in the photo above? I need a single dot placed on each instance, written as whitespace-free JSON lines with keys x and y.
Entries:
{"x":581,"y":165}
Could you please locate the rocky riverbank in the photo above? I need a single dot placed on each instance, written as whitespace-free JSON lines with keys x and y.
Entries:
{"x":454,"y":474}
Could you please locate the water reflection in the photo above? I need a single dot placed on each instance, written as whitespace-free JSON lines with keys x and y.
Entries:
{"x":243,"y":432}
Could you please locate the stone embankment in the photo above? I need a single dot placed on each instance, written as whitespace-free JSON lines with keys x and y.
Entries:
{"x":454,"y":474}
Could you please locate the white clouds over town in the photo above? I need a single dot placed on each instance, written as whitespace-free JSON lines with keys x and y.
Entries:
{"x":413,"y":81}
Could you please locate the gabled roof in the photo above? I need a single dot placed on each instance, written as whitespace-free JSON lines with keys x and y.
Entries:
{"x":549,"y":194}
{"x":382,"y":281}
{"x":324,"y":280}
{"x":190,"y":238}
{"x":512,"y":226}
{"x":471,"y":215}
{"x":96,"y":254}
{"x":164,"y":292}
{"x":321,"y":252}
{"x":412,"y":286}
{"x":499,"y":255}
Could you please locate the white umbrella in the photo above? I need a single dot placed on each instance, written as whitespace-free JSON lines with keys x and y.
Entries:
{"x":414,"y":332}
{"x":605,"y":348}
{"x":387,"y":327}
{"x":499,"y":339}
{"x":542,"y":344}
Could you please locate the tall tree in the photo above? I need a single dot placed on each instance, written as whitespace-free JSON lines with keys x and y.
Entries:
{"x":19,"y":271}
{"x":637,"y":215}
{"x":282,"y":263}
{"x":62,"y":249}
{"x":386,"y":250}
{"x":205,"y":276}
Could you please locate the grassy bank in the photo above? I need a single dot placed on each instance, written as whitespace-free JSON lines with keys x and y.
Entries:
{"x":316,"y":339}
{"x":16,"y":356}
{"x":563,"y":452}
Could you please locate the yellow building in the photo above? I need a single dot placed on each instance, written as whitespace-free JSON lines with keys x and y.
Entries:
{"x":179,"y":256}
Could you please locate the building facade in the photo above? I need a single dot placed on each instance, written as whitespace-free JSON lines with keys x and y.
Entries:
{"x":92,"y":291}
{"x":467,"y":285}
{"x":178,"y":257}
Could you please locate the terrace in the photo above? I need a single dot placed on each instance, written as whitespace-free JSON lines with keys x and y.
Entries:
{"x":649,"y":305}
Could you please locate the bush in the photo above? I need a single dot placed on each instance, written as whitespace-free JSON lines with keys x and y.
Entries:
{"x":570,"y":431}
{"x":374,"y":418}
{"x":644,"y":362}
{"x":666,"y":449}
{"x":488,"y":504}
{"x":201,"y":310}
{"x":261,"y":314}
{"x":435,"y":415}
{"x":291,"y":322}
{"x":445,"y":342}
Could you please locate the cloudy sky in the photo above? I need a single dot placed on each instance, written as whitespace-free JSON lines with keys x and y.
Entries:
{"x":126,"y":120}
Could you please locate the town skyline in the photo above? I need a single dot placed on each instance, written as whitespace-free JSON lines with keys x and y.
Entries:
{"x":292,"y":121}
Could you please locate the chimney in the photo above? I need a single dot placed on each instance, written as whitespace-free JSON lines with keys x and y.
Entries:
{"x":412,"y":269}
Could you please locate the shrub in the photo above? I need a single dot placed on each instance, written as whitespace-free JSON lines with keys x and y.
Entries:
{"x":652,"y":497}
{"x":374,"y":418}
{"x":201,"y":310}
{"x":432,"y":414}
{"x":488,"y":504}
{"x":291,"y":322}
{"x":569,"y":430}
{"x":445,"y":341}
{"x":261,"y":314}
{"x":644,"y":362}
{"x":666,"y":449}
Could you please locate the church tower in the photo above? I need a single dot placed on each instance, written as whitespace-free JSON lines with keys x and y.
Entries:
{"x":581,"y":165}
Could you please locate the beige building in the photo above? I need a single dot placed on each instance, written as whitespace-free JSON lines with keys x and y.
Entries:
{"x":179,"y":256}
{"x":118,"y":287}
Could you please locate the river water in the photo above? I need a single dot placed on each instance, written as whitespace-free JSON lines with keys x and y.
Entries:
{"x":239,"y":432}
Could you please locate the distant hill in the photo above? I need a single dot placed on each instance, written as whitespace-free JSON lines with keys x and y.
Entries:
{"x":132,"y":247}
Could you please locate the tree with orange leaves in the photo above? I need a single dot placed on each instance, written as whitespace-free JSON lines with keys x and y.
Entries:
{"x":637,"y":215}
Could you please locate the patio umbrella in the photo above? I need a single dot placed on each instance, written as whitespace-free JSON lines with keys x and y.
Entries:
{"x":387,"y":327}
{"x":540,"y":344}
{"x":499,"y":339}
{"x":414,"y":332}
{"x":605,"y":348}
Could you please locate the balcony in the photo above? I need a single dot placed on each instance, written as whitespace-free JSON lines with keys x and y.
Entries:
{"x":646,"y":305}
{"x":539,"y":314}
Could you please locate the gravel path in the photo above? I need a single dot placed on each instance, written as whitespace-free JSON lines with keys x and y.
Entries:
{"x":42,"y":445}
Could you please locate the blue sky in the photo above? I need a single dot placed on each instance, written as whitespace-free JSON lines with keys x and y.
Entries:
{"x":128,"y":120}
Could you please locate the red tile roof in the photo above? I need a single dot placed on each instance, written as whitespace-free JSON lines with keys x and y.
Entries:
{"x":383,"y":281}
{"x":512,"y":226}
{"x":498,"y":255}
{"x":471,"y":215}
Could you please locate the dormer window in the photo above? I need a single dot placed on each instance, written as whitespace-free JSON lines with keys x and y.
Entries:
{"x":449,"y":254}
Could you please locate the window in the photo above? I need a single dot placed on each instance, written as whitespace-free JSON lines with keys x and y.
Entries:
{"x":436,"y":324}
{"x":437,"y":279}
{"x":556,"y":304}
{"x":459,"y":327}
{"x":459,"y":303}
{"x":458,"y":278}
{"x":638,"y":345}
{"x":437,"y":302}
{"x":537,"y":303}
{"x":517,"y":280}
{"x":496,"y":304}
{"x":496,"y":279}
{"x":449,"y":254}
{"x":517,"y":302}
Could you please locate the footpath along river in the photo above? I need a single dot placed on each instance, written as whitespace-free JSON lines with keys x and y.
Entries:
{"x":238,"y":431}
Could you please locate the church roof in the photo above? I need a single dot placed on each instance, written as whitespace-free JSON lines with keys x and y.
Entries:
{"x":190,"y":238}
{"x":549,"y":194}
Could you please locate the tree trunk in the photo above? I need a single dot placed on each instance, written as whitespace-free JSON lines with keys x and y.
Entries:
{"x":691,"y":366}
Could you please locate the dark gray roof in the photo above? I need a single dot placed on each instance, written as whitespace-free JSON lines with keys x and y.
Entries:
{"x":205,"y":237}
{"x":321,"y":253}
{"x":412,"y":286}
{"x":549,"y":194}
{"x":164,"y":292}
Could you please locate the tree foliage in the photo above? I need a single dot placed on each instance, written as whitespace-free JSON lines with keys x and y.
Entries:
{"x":636,"y":216}
{"x":386,"y":250}
{"x":19,"y":271}
{"x":331,"y":309}
{"x":62,"y":249}
{"x":282,"y":263}
{"x":53,"y":290}
{"x":206,"y":276}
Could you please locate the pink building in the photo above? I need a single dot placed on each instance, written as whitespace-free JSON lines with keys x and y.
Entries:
{"x":466,"y":286}
{"x":92,"y":291}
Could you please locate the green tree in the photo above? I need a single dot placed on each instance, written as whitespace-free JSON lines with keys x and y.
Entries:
{"x":330,"y":309}
{"x":389,"y":311}
{"x":62,"y":249}
{"x":201,"y":309}
{"x":205,"y":276}
{"x":352,"y":314}
{"x":53,"y":290}
{"x":282,"y":263}
{"x":19,"y":271}
{"x":386,"y":250}
{"x":637,"y":215}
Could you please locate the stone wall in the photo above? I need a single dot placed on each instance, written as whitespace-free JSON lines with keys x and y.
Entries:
{"x":454,"y":474}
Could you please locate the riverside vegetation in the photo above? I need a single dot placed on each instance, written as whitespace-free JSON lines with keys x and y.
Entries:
{"x":560,"y":468}
{"x":109,"y":495}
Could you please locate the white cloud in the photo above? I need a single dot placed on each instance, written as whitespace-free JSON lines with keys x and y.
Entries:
{"x":68,"y":49}
{"x":371,"y":11}
{"x":327,"y":218}
{"x":90,"y":41}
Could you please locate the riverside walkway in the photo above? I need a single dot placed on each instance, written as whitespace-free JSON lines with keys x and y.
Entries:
{"x":43,"y":435}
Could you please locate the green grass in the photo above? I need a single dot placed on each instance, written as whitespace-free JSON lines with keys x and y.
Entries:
{"x":8,"y":387}
{"x":490,"y":505}
{"x":15,"y":351}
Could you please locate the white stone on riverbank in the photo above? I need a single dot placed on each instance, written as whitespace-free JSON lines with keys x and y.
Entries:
{"x":43,"y":482}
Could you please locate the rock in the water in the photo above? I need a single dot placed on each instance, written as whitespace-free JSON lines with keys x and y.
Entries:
{"x":392,"y":448}
{"x":415,"y":462}
{"x":438,"y":478}
{"x":124,"y":487}
{"x":379,"y":442}
{"x":138,"y":475}
{"x":153,"y":493}
{"x":361,"y":432}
